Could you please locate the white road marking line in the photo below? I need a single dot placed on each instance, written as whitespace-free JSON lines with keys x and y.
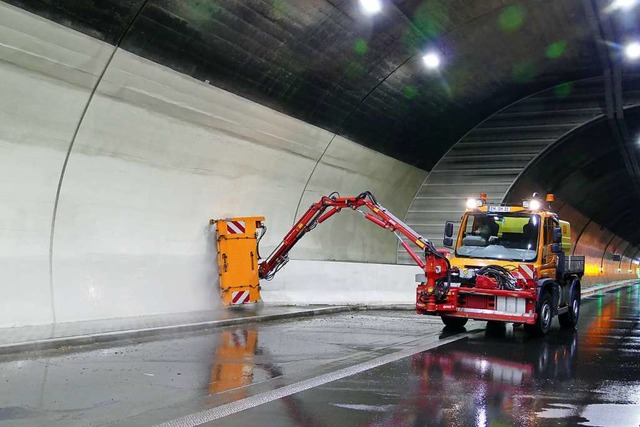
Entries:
{"x":222,"y":411}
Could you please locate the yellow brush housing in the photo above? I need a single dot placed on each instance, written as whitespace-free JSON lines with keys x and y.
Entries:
{"x":238,"y":259}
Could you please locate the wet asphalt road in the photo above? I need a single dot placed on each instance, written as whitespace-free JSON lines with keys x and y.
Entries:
{"x":587,"y":377}
{"x":502,"y":377}
{"x":142,"y":383}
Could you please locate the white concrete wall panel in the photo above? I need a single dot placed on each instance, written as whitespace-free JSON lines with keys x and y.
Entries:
{"x":46,"y":76}
{"x":157,"y":155}
{"x":352,"y":169}
{"x":132,"y":235}
{"x":321,"y":282}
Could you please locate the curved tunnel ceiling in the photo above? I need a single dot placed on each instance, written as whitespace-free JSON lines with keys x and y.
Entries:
{"x":361,"y":77}
{"x":586,"y":170}
{"x":507,"y":154}
{"x":327,"y":63}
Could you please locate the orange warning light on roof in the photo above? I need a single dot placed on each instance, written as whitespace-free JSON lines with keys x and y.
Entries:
{"x":550,"y":197}
{"x":483,"y":197}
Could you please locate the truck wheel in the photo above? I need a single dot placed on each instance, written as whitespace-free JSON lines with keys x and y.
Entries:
{"x":454,"y":322}
{"x":570,"y":318}
{"x":545,"y":316}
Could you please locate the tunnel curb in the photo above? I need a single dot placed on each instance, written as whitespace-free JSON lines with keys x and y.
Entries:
{"x":105,"y":337}
{"x":592,"y":290}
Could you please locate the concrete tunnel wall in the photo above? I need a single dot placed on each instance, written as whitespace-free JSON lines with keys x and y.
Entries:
{"x":112,"y":166}
{"x":598,"y":245}
{"x":143,"y":163}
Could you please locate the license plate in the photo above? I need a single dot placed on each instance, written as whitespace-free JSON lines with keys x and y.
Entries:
{"x":499,"y":208}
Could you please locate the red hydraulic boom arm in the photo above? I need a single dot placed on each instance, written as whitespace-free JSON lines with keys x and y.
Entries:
{"x":435,"y":265}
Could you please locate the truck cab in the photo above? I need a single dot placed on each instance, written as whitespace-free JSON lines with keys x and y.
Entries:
{"x":509,"y":263}
{"x":504,"y":235}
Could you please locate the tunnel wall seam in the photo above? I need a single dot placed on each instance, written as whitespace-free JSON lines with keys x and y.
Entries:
{"x":68,"y":155}
{"x":153,"y":159}
{"x":61,"y":179}
{"x":341,"y":128}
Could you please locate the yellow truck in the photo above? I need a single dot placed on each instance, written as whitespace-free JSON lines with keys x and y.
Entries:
{"x":508,"y":263}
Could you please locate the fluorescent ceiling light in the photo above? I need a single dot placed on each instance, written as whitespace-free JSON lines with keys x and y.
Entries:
{"x":632,"y":50}
{"x":623,"y":4}
{"x":371,"y":7}
{"x":431,"y":60}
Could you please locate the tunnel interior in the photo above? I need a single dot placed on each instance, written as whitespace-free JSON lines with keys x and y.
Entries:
{"x":358,"y":76}
{"x":133,"y":132}
{"x":127,"y":125}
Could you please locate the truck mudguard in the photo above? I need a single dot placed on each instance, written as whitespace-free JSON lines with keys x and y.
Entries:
{"x":553,"y":287}
{"x":575,"y":286}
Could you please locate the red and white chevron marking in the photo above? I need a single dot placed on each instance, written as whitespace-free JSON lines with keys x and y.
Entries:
{"x":527,"y":271}
{"x":240,"y":297}
{"x":240,"y":338}
{"x":236,"y":227}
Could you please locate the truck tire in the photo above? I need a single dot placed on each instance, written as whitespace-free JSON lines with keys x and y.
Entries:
{"x":544,"y":318}
{"x":570,"y":318}
{"x":454,"y":322}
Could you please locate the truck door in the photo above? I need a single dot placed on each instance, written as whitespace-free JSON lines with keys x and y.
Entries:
{"x":549,"y":259}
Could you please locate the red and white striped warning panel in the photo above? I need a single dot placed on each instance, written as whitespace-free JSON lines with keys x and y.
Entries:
{"x":240,"y":297}
{"x":240,"y":338}
{"x":527,"y":271}
{"x":236,"y":227}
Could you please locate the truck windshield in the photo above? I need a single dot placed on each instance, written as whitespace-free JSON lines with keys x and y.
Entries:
{"x":500,"y":236}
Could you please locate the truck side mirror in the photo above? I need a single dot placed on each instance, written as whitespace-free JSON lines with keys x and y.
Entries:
{"x":556,"y":248}
{"x":557,"y":235}
{"x":447,"y":242}
{"x":448,"y":229}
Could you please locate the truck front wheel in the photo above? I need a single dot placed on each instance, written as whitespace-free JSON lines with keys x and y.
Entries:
{"x":454,"y":322}
{"x":570,"y":318}
{"x":545,"y":316}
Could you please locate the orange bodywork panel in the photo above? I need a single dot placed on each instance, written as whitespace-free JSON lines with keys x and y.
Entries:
{"x":233,"y":362}
{"x":238,"y":259}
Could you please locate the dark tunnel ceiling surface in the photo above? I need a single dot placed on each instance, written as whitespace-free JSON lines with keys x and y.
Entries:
{"x":325,"y":62}
{"x":328,"y":64}
{"x":586,"y":170}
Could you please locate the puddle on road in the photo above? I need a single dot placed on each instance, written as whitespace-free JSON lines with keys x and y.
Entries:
{"x":599,"y":414}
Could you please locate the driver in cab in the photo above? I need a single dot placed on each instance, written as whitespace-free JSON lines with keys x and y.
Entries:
{"x":485,"y":227}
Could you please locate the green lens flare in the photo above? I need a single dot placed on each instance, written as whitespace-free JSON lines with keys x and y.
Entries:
{"x":360,"y":46}
{"x":563,"y":90}
{"x":512,"y":18}
{"x":431,"y":18}
{"x":524,"y":72}
{"x":556,"y":50}
{"x":409,"y":92}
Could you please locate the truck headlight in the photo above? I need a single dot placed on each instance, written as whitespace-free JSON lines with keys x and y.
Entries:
{"x":473,"y":203}
{"x":532,"y":204}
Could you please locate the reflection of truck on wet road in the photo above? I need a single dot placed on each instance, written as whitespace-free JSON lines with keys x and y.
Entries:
{"x":508,"y":264}
{"x":514,"y":385}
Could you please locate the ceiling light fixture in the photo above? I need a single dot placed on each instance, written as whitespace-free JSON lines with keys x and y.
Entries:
{"x":371,"y":7}
{"x":431,"y":60}
{"x":623,"y":4}
{"x":632,"y":50}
